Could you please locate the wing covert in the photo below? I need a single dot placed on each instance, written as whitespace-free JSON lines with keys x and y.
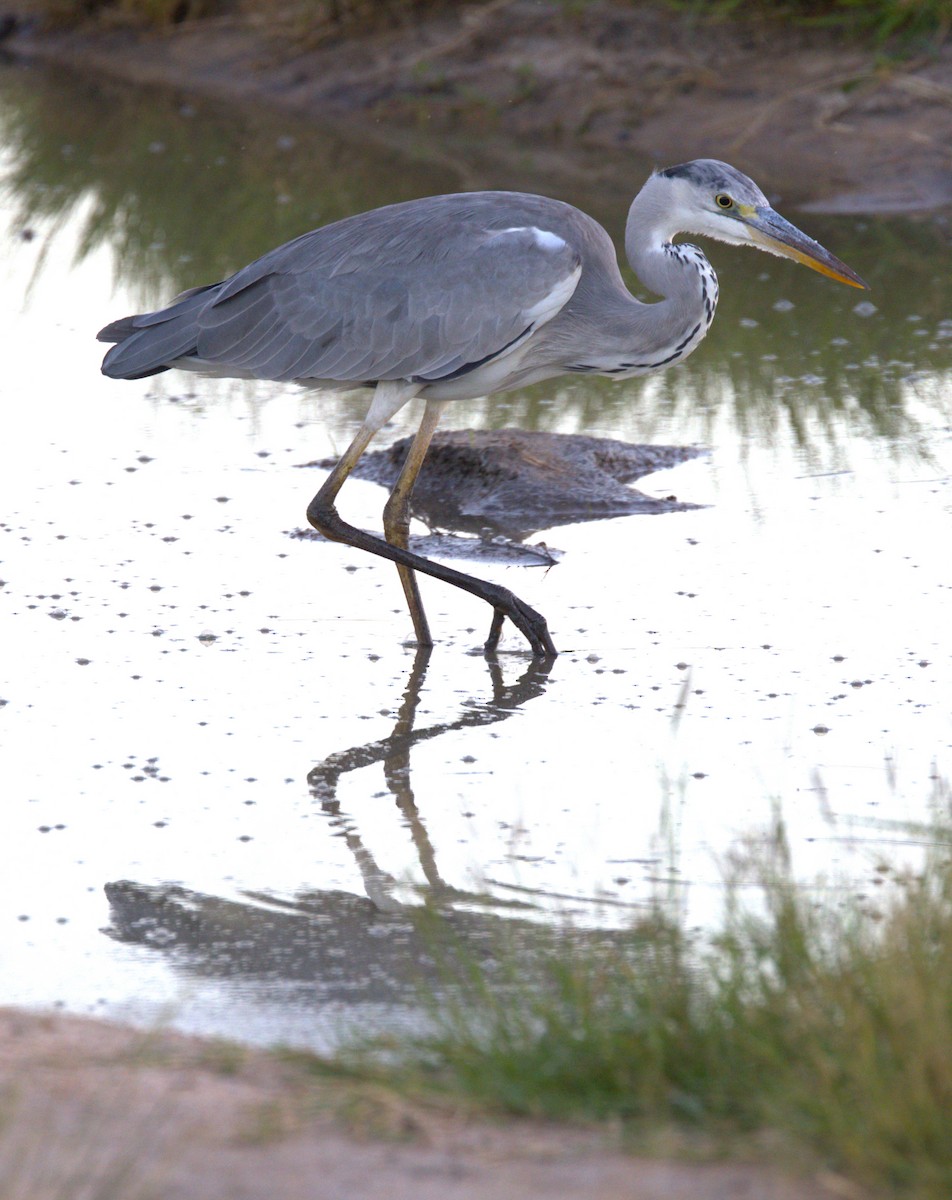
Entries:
{"x":419,"y":291}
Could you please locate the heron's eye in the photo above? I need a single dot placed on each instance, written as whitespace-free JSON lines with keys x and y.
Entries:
{"x":722,"y":200}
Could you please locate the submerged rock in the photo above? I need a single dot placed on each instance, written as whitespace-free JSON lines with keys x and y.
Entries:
{"x":503,"y":485}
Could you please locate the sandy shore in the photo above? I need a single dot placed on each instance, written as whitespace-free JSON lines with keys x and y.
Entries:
{"x":93,"y":1109}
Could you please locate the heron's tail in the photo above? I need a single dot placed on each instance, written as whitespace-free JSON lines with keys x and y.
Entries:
{"x":151,"y":342}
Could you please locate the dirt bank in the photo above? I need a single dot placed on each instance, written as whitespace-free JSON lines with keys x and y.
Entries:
{"x":93,"y":1109}
{"x":819,"y":121}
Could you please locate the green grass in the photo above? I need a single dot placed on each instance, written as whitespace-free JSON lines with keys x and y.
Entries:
{"x":881,"y":18}
{"x":821,"y":1019}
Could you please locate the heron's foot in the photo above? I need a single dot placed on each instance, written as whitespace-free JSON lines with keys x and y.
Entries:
{"x":531,"y":624}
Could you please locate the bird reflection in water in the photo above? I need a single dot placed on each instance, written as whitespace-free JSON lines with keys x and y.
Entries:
{"x":326,"y":945}
{"x":393,"y":752}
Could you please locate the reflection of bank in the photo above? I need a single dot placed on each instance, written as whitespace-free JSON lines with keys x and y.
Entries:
{"x":332,"y":946}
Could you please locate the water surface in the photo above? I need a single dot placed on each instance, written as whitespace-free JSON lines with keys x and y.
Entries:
{"x":224,"y":773}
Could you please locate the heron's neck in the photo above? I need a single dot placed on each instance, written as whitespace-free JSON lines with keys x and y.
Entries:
{"x":669,"y":330}
{"x":679,"y":273}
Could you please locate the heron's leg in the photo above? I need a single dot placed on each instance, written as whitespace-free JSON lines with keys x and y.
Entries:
{"x":322,"y":514}
{"x":388,"y":399}
{"x":495,"y":629}
{"x":396,"y":515}
{"x":531,"y":624}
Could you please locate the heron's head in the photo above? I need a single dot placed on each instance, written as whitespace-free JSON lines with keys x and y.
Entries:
{"x":710,"y":197}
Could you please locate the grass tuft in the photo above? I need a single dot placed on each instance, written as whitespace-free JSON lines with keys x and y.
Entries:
{"x":819,"y":1017}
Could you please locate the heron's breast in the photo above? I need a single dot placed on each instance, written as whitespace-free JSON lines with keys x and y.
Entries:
{"x":674,"y":339}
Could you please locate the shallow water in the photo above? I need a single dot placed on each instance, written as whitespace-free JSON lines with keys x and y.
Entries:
{"x":220,"y":723}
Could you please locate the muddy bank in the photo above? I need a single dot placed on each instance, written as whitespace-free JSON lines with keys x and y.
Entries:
{"x":821,"y":122}
{"x":91,"y":1108}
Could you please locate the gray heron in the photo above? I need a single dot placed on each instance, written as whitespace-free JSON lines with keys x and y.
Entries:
{"x":454,"y":297}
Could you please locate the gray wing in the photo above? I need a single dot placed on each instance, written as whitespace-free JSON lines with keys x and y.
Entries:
{"x":422,"y":290}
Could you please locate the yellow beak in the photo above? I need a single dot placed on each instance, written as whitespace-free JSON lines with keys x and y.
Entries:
{"x":771,"y":231}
